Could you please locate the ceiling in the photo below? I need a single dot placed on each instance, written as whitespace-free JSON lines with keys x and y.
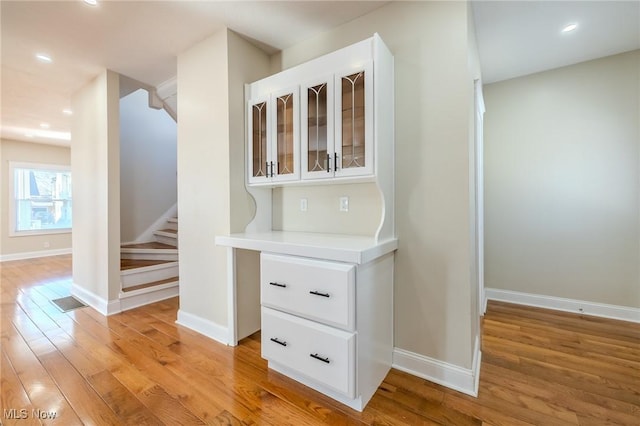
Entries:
{"x":142,"y":39}
{"x":517,"y":38}
{"x":138,"y":39}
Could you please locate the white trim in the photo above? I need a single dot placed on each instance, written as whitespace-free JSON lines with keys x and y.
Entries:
{"x":484,"y":301}
{"x":232,"y":312}
{"x":41,"y":231}
{"x":457,"y":378}
{"x":167,"y":88}
{"x":145,"y":296}
{"x":34,"y":254}
{"x":147,"y":234}
{"x":103,"y":306}
{"x":623,"y":313}
{"x":203,"y":326}
{"x":477,"y":363}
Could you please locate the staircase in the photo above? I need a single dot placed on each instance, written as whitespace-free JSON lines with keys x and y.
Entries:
{"x":149,"y":271}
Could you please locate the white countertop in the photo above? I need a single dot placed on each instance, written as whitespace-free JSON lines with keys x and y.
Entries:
{"x":341,"y":248}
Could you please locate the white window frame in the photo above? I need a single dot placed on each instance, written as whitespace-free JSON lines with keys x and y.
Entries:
{"x":12,"y":198}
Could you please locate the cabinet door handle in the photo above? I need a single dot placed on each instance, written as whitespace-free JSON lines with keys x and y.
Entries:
{"x":335,"y":161}
{"x":319,"y":358}
{"x":278,"y":284}
{"x":266,"y":164}
{"x":272,"y":173}
{"x":328,"y":163}
{"x":280,"y":342}
{"x":317,"y":293}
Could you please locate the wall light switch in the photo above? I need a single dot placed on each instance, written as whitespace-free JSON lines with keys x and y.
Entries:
{"x":303,"y":204}
{"x":344,"y":204}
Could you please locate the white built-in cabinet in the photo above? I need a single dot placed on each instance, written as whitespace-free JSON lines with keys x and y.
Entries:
{"x":326,"y":301}
{"x":337,"y":124}
{"x":320,"y":126}
{"x":273,"y":127}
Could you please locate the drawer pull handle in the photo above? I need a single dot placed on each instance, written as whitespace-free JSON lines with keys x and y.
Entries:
{"x":317,"y":293}
{"x":278,"y":284}
{"x":319,"y":358}
{"x":280,"y":342}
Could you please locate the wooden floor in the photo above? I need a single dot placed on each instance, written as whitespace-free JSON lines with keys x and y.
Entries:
{"x":538,"y":367}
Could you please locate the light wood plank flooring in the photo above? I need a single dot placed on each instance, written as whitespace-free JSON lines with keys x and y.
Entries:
{"x":538,"y":367}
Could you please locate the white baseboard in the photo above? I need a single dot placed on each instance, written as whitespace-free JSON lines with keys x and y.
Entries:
{"x":34,"y":254}
{"x":457,"y":378}
{"x":203,"y":326}
{"x":623,"y":313}
{"x":105,"y":307}
{"x":477,"y":363}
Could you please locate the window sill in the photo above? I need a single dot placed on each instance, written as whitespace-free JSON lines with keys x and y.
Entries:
{"x":39,"y":232}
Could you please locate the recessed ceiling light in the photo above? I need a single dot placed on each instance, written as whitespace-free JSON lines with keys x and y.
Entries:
{"x":91,"y":2}
{"x":67,"y":111}
{"x":44,"y":58}
{"x":44,"y":125}
{"x":569,"y":28}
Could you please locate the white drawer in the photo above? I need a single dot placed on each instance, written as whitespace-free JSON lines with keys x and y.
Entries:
{"x":322,"y":353}
{"x":319,"y":290}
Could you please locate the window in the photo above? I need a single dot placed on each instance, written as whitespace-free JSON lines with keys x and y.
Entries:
{"x":41,"y":199}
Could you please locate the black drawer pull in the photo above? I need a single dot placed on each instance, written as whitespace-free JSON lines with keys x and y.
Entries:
{"x":319,"y":358}
{"x":317,"y":293}
{"x":278,"y":284}
{"x":280,"y":342}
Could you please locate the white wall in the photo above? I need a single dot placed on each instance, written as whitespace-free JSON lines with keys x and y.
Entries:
{"x":562,"y":157}
{"x":28,"y":245}
{"x":435,"y":316}
{"x":211,"y":196}
{"x":148,"y":164}
{"x":95,"y":169}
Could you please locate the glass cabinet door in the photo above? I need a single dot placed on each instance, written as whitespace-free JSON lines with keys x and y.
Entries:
{"x":286,"y":135}
{"x":258,"y":140}
{"x":354,"y":129}
{"x":317,"y":129}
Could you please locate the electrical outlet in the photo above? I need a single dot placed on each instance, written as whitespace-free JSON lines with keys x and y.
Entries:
{"x":303,"y":204}
{"x":344,"y":204}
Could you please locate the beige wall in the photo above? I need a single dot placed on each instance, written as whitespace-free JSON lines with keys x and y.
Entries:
{"x":95,"y":162}
{"x":562,"y":158}
{"x":323,"y":213}
{"x":211,"y":196}
{"x":28,"y":153}
{"x":434,"y":311}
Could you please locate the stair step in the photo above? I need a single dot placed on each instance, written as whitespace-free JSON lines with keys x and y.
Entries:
{"x":149,"y":292}
{"x":127,"y":264}
{"x":136,"y":271}
{"x":168,"y":231}
{"x":155,"y":245}
{"x":149,"y":251}
{"x":167,"y":236}
{"x":151,"y":284}
{"x":172,"y":223}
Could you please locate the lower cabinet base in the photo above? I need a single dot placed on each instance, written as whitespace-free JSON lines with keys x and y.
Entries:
{"x":356,"y":403}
